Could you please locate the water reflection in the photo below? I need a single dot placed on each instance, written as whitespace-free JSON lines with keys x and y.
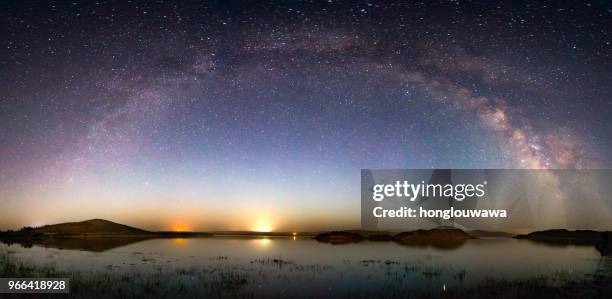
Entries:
{"x":441,"y":244}
{"x":262,"y":242}
{"x":292,"y":263}
{"x":180,"y":241}
{"x":86,"y":244}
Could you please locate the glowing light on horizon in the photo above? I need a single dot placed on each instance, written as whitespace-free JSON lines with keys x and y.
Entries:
{"x":180,"y":228}
{"x":263,"y":228}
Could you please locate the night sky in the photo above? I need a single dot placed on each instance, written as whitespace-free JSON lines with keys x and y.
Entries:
{"x":260,"y":115}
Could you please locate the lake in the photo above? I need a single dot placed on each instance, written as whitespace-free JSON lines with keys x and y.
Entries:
{"x":303,"y":267}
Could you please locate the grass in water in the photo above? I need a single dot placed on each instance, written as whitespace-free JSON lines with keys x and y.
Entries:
{"x":224,"y":279}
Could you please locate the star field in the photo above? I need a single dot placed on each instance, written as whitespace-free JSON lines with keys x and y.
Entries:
{"x":209,"y":111}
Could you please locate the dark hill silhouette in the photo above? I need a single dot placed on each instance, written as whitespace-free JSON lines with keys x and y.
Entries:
{"x":433,"y":234}
{"x":339,"y":237}
{"x":441,"y":237}
{"x":601,"y":240}
{"x":489,"y":234}
{"x":89,"y":235}
{"x":90,"y":227}
{"x":564,"y":236}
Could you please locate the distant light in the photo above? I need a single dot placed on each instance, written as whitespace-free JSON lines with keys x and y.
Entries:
{"x":180,"y":228}
{"x":263,"y":228}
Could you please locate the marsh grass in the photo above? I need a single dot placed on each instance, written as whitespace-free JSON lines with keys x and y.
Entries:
{"x":273,"y":278}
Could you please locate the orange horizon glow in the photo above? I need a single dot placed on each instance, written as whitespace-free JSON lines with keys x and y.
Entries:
{"x":262,"y":224}
{"x":180,"y":227}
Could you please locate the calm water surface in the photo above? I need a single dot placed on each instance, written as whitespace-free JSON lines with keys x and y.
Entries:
{"x":303,"y":264}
